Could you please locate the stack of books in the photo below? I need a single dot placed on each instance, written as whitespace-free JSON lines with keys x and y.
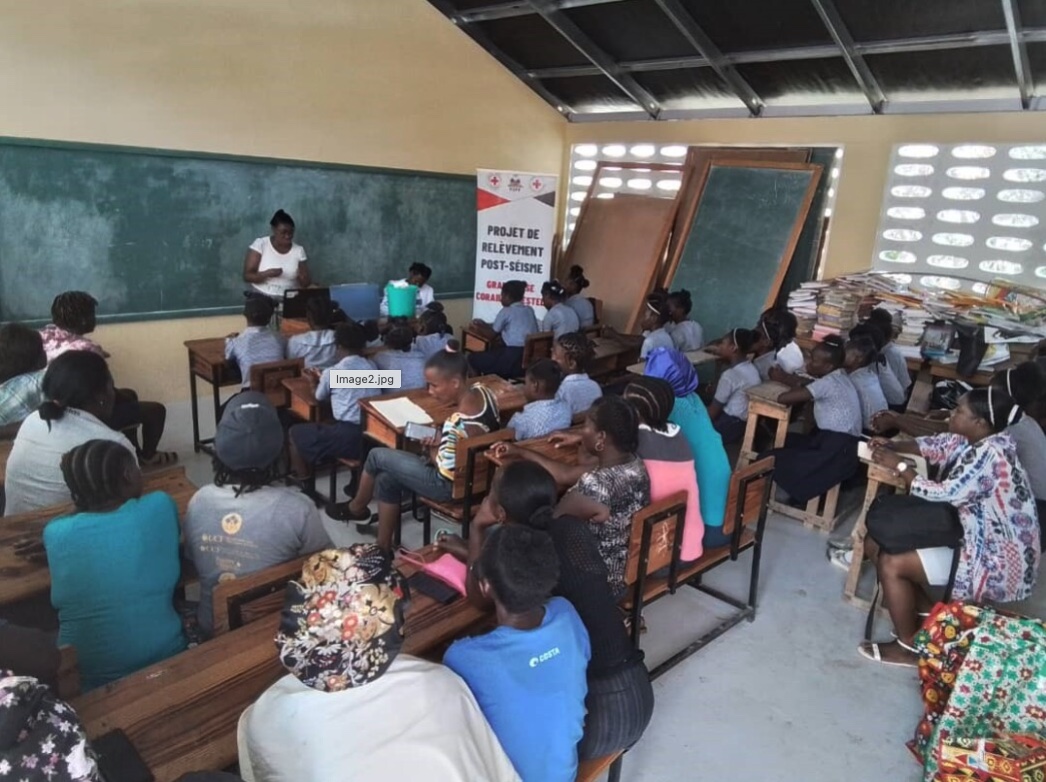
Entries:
{"x":802,"y":302}
{"x":837,"y":310}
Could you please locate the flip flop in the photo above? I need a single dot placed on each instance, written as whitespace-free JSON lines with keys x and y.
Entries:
{"x":841,"y":558}
{"x":870,"y":651}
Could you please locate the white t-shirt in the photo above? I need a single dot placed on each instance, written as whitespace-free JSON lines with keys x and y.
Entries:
{"x":418,"y":721}
{"x":287,"y":262}
{"x":34,"y":468}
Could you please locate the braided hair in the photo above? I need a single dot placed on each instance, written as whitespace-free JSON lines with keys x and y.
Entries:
{"x":246,"y":481}
{"x":74,"y":311}
{"x":618,"y":419}
{"x":433,"y":320}
{"x":96,"y":473}
{"x":400,"y":337}
{"x":653,"y":399}
{"x":521,"y":565}
{"x":548,"y":373}
{"x":578,"y":347}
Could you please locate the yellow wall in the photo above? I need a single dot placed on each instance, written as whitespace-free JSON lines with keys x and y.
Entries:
{"x":370,"y":82}
{"x":867,"y":142}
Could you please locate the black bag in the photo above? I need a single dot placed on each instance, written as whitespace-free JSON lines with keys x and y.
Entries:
{"x":972,"y":347}
{"x":900,"y":523}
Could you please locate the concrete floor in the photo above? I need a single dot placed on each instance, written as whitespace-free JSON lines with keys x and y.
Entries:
{"x":785,"y":697}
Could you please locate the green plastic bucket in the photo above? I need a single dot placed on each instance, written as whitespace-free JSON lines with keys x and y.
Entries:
{"x":402,"y":300}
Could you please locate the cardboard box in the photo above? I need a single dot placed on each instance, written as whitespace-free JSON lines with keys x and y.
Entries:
{"x":1013,"y":758}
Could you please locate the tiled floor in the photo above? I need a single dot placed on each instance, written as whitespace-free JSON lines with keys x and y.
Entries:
{"x":785,"y":697}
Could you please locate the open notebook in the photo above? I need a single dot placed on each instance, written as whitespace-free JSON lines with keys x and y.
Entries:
{"x":864,"y":452}
{"x":400,"y":412}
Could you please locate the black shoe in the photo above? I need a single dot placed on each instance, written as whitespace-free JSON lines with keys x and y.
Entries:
{"x":342,"y":511}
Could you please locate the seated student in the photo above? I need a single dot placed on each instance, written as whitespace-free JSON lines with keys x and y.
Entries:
{"x":653,"y":324}
{"x":22,"y":365}
{"x":609,"y":485}
{"x":575,"y":284}
{"x":560,"y":319}
{"x":312,"y":443}
{"x":809,"y":465}
{"x":710,"y":459}
{"x":987,"y":485}
{"x":687,"y":333}
{"x":544,"y":413}
{"x":775,"y":343}
{"x":892,"y":388}
{"x":256,"y":344}
{"x":388,"y":473}
{"x":114,"y":566}
{"x":352,"y":705}
{"x":433,"y":331}
{"x":514,"y":323}
{"x":573,"y":352}
{"x":860,"y":365}
{"x":74,"y":314}
{"x":242,"y":523}
{"x":536,"y":708}
{"x":316,"y":345}
{"x":78,"y":394}
{"x":894,"y":357}
{"x":667,"y":456}
{"x":620,"y":700}
{"x":400,"y":354}
{"x":729,"y":408}
{"x":418,"y":274}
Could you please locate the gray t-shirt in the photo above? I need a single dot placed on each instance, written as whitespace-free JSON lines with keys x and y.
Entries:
{"x":515,"y":323}
{"x":1031,"y":450}
{"x":730,"y":391}
{"x":560,"y":320}
{"x":228,"y":536}
{"x":34,"y":468}
{"x":870,"y":392}
{"x":837,"y":407}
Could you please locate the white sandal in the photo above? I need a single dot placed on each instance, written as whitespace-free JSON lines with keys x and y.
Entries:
{"x":870,"y":651}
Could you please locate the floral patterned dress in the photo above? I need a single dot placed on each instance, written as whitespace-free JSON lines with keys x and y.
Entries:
{"x":625,"y":490}
{"x":990,"y":490}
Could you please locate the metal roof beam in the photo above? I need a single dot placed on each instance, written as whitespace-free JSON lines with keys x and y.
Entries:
{"x":515,"y":8}
{"x":854,"y":60}
{"x":692,"y":31}
{"x":517,"y":70}
{"x":549,"y":11}
{"x":822,"y":52}
{"x":1019,"y":49}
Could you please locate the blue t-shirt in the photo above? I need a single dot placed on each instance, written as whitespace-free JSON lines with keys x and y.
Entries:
{"x":710,"y":460}
{"x":531,"y":687}
{"x":112,"y":582}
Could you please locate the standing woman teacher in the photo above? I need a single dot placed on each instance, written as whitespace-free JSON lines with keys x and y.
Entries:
{"x":275,"y":263}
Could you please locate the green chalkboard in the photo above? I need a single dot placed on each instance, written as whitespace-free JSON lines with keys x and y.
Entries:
{"x":156,"y":234}
{"x":745,"y":225}
{"x":808,"y":249}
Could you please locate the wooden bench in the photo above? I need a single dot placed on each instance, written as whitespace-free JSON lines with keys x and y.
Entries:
{"x":472,"y":477}
{"x":655,"y":543}
{"x":820,"y":513}
{"x":537,"y":346}
{"x":240,"y":601}
{"x":267,"y":378}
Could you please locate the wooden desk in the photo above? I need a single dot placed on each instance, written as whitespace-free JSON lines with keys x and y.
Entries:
{"x":21,"y":579}
{"x":541,"y":445}
{"x":181,"y":714}
{"x":303,"y":401}
{"x":290,"y":327}
{"x":473,"y":341}
{"x":376,"y":427}
{"x":611,"y":356}
{"x":878,"y":477}
{"x":762,"y":403}
{"x":207,"y":362}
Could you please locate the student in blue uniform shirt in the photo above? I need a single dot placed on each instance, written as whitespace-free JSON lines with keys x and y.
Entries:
{"x":400,"y":354}
{"x":687,"y":334}
{"x":256,"y":344}
{"x":433,"y":330}
{"x":860,"y":365}
{"x":729,"y":408}
{"x":543,"y":413}
{"x":893,"y":389}
{"x":528,"y":674}
{"x":653,"y":325}
{"x":316,"y":345}
{"x":560,"y":319}
{"x":573,"y":352}
{"x":514,"y":323}
{"x":895,"y":359}
{"x":575,"y":285}
{"x":342,"y":438}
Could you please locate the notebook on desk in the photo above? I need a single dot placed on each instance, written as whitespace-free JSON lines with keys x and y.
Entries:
{"x":402,"y":411}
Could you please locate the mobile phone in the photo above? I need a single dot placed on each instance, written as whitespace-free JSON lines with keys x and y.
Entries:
{"x":432,"y":587}
{"x":118,"y":760}
{"x":415,"y":431}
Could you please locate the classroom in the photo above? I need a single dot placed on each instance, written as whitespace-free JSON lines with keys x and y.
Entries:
{"x":721,"y":439}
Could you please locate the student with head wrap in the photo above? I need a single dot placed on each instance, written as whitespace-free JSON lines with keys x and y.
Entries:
{"x":710,"y":460}
{"x":353,"y":706}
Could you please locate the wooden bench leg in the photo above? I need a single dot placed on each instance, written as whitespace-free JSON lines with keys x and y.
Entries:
{"x":858,"y":535}
{"x":747,"y":456}
{"x":819,"y":513}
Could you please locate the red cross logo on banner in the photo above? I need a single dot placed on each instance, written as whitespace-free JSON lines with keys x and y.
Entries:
{"x":494,"y":180}
{"x":536,"y":184}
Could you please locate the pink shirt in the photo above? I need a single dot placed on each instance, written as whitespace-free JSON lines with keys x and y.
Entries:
{"x":670,"y":465}
{"x":58,"y":341}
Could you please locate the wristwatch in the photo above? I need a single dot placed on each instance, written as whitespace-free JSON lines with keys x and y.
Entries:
{"x":902,"y":467}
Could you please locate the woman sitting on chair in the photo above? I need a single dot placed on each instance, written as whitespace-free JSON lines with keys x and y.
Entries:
{"x":979,"y":474}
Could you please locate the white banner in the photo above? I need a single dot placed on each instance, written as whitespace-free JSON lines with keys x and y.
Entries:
{"x":514,"y":228}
